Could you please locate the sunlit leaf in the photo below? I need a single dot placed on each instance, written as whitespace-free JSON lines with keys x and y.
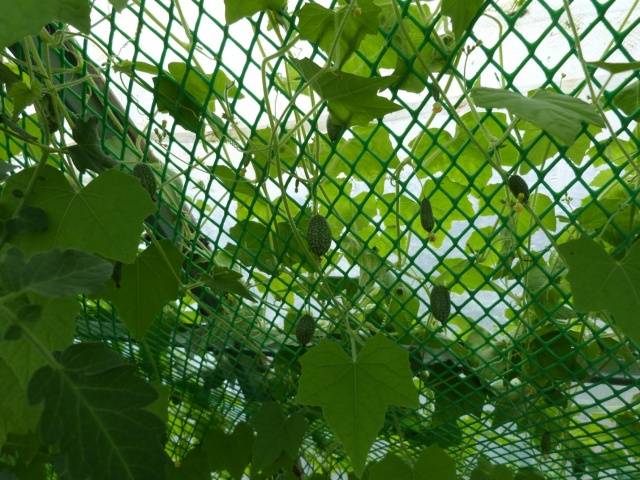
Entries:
{"x":600,"y":282}
{"x":559,"y":115}
{"x":354,"y":393}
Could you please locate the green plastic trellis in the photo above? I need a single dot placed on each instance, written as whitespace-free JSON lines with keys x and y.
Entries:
{"x":421,"y":151}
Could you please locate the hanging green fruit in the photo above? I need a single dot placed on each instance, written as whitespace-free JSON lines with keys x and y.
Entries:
{"x":143,"y":172}
{"x":545,"y":443}
{"x":426,"y":215}
{"x":519,"y":188}
{"x":319,"y":235}
{"x":305,"y":328}
{"x":440,"y":301}
{"x":334,"y":130}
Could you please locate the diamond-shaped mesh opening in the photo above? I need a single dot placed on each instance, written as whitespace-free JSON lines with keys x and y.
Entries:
{"x":516,"y":363}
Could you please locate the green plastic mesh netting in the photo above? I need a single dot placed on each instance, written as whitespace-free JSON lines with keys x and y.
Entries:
{"x":248,"y":138}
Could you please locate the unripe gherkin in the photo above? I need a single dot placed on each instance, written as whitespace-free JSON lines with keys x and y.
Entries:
{"x":440,"y":301}
{"x":426,"y":215}
{"x":305,"y":329}
{"x":334,"y":129}
{"x":319,"y":235}
{"x":143,"y":172}
{"x":519,"y":188}
{"x":545,"y":443}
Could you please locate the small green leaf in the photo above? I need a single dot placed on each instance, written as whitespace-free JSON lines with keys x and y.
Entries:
{"x":118,"y":4}
{"x":235,"y":9}
{"x":628,"y":99}
{"x":173,"y":99}
{"x":128,"y":67}
{"x":88,"y":154}
{"x":616,"y":67}
{"x":146,"y":286}
{"x":276,"y":435}
{"x":418,"y":55}
{"x":529,"y":473}
{"x":352,"y":100}
{"x":559,"y":115}
{"x":54,"y":273}
{"x":355,"y":393}
{"x":199,"y":84}
{"x":461,"y":13}
{"x":29,"y":16}
{"x":23,"y":95}
{"x":317,"y":25}
{"x":224,"y":280}
{"x":600,"y":282}
{"x":462,"y":275}
{"x":262,"y":158}
{"x":456,"y":393}
{"x":238,"y":185}
{"x":543,"y":207}
{"x":229,"y":452}
{"x":539,"y":147}
{"x":94,"y":411}
{"x":368,"y":154}
{"x":435,"y":464}
{"x":252,"y":238}
{"x":391,"y":466}
{"x":487,"y":471}
{"x":110,"y":211}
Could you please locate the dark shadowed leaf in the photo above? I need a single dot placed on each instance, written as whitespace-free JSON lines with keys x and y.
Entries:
{"x":94,"y":409}
{"x":54,"y":273}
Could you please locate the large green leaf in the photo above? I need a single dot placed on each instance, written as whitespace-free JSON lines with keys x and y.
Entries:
{"x":600,"y":282}
{"x":318,"y":24}
{"x":104,"y":218}
{"x":559,"y":115}
{"x":94,"y":409}
{"x":352,"y":100}
{"x":53,"y":330}
{"x":355,"y":393}
{"x":27,"y":18}
{"x":235,"y":9}
{"x":145,"y":286}
{"x":53,"y":273}
{"x":277,"y":435}
{"x":17,"y":416}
